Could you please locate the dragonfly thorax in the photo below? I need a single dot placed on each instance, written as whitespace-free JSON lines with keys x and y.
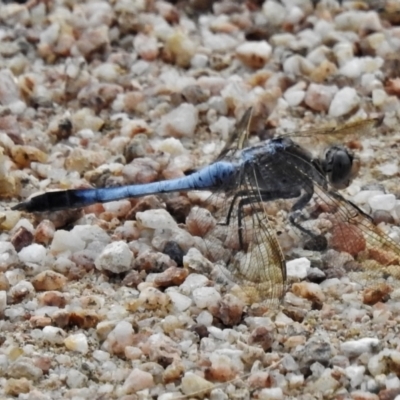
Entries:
{"x":341,"y":166}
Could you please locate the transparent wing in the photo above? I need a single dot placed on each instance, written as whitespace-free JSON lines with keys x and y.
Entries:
{"x":241,"y":242}
{"x":238,"y":139}
{"x":333,"y":134}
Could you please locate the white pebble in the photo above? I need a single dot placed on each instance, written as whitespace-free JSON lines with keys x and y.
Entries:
{"x":193,"y":281}
{"x":116,"y":257}
{"x":156,"y":219}
{"x":274,"y":12}
{"x":199,"y":61}
{"x":8,"y":256}
{"x":356,"y":374}
{"x":389,"y":169}
{"x":298,"y":268}
{"x":254,"y":54}
{"x":53,"y":335}
{"x":180,"y":122}
{"x":205,"y":297}
{"x":270,"y":394}
{"x":91,"y":233}
{"x":204,"y":318}
{"x":34,"y":253}
{"x":137,"y":380}
{"x":354,"y":348}
{"x":294,"y":97}
{"x":384,"y":202}
{"x":66,"y":241}
{"x":3,"y":300}
{"x":193,"y":383}
{"x":171,"y":146}
{"x":180,"y":301}
{"x":76,"y":379}
{"x":77,"y":342}
{"x":344,"y":101}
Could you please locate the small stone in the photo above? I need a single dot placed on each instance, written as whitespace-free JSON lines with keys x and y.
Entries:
{"x":66,"y":241}
{"x":298,"y":268}
{"x":3,"y":301}
{"x":9,"y":91}
{"x":77,"y":342}
{"x":229,"y":310}
{"x":385,"y":202}
{"x":44,"y":232}
{"x":192,"y":383}
{"x":270,"y":394}
{"x":254,"y":54}
{"x":21,"y":290}
{"x":120,"y":337}
{"x":14,"y":387}
{"x":179,"y":49}
{"x":116,"y":257}
{"x":52,"y":298}
{"x":221,"y":369}
{"x":173,"y":276}
{"x":345,"y":101}
{"x":8,"y":256}
{"x":356,"y":374}
{"x":180,"y":122}
{"x":378,"y":293}
{"x":156,"y":219}
{"x":49,"y":280}
{"x":53,"y":335}
{"x":347,"y":238}
{"x":34,"y":253}
{"x":206,"y":297}
{"x":137,"y":380}
{"x":261,"y":336}
{"x":23,"y":368}
{"x":319,"y":97}
{"x":308,"y":290}
{"x":354,"y":348}
{"x":76,"y":379}
{"x":180,"y":301}
{"x":21,"y":238}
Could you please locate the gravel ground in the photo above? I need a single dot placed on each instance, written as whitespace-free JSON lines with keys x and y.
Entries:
{"x":95,"y":303}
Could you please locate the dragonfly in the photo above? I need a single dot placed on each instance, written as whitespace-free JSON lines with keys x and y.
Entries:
{"x":240,"y":236}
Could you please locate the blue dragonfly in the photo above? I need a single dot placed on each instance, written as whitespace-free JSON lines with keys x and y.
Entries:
{"x":241,"y":238}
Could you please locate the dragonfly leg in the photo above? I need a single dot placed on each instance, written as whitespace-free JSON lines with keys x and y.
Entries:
{"x":319,"y":242}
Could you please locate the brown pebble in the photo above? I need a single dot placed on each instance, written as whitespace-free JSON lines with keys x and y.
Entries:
{"x":173,"y":372}
{"x":38,"y":321}
{"x":151,"y":261}
{"x":389,"y":394}
{"x":200,"y":329}
{"x":60,"y":318}
{"x":262,"y":336}
{"x":347,"y":238}
{"x":173,"y":276}
{"x":52,"y":298}
{"x":132,"y":279}
{"x":84,"y":319}
{"x":21,"y":238}
{"x":42,"y":362}
{"x":49,"y":280}
{"x":14,"y":387}
{"x":229,"y":310}
{"x":44,"y":232}
{"x":377,"y":293}
{"x":4,"y":284}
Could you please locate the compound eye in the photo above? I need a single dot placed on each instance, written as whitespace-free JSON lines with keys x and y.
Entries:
{"x":341,"y":166}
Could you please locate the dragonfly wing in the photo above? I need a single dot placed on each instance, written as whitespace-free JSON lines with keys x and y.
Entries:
{"x":376,"y":254}
{"x":243,"y":245}
{"x":238,"y":139}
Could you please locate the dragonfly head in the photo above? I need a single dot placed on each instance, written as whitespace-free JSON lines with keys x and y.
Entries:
{"x":341,"y":166}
